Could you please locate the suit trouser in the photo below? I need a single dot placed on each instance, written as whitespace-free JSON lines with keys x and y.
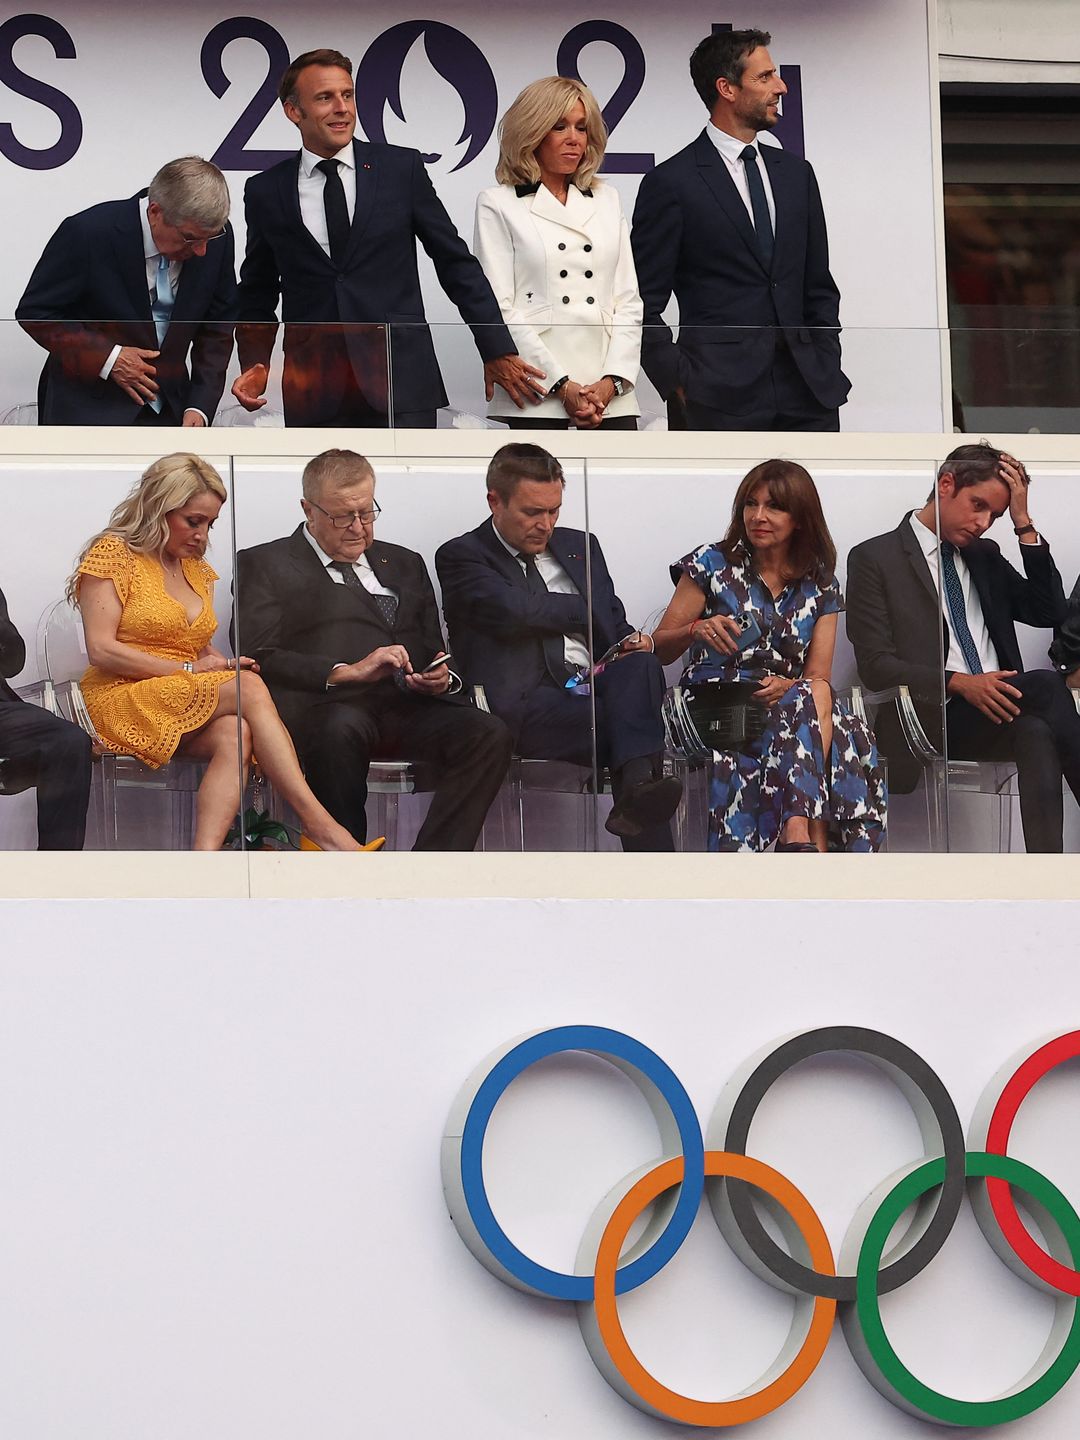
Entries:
{"x":629,"y":693}
{"x":1043,"y":740}
{"x":54,"y":756}
{"x":785,"y":402}
{"x":468,"y":752}
{"x":355,"y":409}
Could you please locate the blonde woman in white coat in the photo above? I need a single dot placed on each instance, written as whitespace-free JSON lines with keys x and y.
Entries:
{"x":555,"y":246}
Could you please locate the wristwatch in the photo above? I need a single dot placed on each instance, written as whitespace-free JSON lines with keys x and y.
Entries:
{"x":620,"y":388}
{"x":1025,"y":530}
{"x":558,"y":385}
{"x":189,"y":666}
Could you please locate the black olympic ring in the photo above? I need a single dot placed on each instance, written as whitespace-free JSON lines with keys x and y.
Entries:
{"x":734,"y":1203}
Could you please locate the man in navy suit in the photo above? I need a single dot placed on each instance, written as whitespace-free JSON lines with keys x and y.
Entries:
{"x":514,"y":600}
{"x":333,"y":232}
{"x":40,"y":749}
{"x":125,"y":293}
{"x":736,"y":230}
{"x":933,"y":585}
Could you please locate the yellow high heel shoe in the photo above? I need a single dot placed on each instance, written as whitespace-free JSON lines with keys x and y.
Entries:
{"x":308,"y":844}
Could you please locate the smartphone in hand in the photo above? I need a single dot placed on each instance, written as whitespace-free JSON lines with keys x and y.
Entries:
{"x":436,"y":662}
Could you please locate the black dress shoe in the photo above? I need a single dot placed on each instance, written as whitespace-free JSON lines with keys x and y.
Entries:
{"x":643,"y":805}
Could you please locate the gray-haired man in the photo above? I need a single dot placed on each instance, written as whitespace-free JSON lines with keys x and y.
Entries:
{"x":125,"y":292}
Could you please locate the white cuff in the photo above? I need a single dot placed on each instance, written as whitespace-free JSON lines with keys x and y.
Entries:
{"x":106,"y":369}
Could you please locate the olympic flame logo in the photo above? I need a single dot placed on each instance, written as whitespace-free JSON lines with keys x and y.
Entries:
{"x":740,"y":1187}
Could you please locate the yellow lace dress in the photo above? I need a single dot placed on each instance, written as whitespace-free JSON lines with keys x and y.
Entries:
{"x":148,"y":718}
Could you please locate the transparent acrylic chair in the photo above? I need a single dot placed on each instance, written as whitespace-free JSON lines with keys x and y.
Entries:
{"x":941,"y":778}
{"x":62,"y":660}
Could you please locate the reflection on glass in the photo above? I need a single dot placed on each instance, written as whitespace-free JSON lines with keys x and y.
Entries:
{"x":1013,"y":255}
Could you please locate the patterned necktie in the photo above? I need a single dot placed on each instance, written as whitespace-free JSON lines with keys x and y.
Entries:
{"x":387,"y":605}
{"x":337,"y":211}
{"x":759,"y":204}
{"x":954,"y":596}
{"x":553,"y":645}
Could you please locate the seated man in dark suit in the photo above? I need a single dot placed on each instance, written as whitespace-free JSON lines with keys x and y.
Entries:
{"x":1065,"y":651}
{"x":40,"y":749}
{"x":124,"y":292}
{"x":514,"y":600}
{"x":898,"y":622}
{"x":345,"y":629}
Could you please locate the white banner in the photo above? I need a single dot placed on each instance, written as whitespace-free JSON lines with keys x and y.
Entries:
{"x":93,"y":101}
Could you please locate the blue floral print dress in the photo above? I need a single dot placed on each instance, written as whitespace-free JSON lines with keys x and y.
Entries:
{"x":753,"y":793}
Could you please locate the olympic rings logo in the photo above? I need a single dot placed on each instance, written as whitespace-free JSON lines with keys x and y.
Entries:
{"x":739,"y":1186}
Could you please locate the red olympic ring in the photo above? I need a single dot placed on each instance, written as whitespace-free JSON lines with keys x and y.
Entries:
{"x":999,"y":1192}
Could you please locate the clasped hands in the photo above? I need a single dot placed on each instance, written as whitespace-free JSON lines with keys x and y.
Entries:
{"x":386,"y":662}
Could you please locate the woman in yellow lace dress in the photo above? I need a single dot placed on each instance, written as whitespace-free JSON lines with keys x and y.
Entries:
{"x":156,"y":685}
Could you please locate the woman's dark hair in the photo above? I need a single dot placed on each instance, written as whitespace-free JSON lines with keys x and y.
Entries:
{"x":791,"y":488}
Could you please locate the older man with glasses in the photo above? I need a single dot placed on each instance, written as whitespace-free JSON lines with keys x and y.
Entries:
{"x":127,"y":294}
{"x":346,"y":632}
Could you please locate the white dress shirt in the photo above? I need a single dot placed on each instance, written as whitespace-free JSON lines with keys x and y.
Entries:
{"x":361,"y":569}
{"x":559,"y":583}
{"x":730,"y":149}
{"x":954,"y":660}
{"x":310,"y":186}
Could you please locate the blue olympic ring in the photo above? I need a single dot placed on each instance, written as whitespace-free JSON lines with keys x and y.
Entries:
{"x":630,"y":1055}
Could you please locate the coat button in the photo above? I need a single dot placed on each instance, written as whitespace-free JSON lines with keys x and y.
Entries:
{"x":566,"y":299}
{"x":587,"y":249}
{"x":589,"y":300}
{"x":588,"y":274}
{"x":562,"y":244}
{"x":562,"y":274}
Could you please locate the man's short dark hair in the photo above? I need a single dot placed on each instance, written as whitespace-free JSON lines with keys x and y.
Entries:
{"x":972,"y":464}
{"x":723,"y":55}
{"x":329,"y":58}
{"x":516,"y":462}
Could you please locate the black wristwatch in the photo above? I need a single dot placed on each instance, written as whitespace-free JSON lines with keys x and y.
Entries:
{"x":620,"y":388}
{"x":1025,"y":530}
{"x":558,"y":385}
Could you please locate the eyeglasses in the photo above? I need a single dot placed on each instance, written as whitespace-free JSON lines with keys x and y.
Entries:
{"x":199,"y":239}
{"x":342,"y":522}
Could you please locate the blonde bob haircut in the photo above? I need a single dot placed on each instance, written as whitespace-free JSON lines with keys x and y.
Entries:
{"x":140,"y":519}
{"x":535,"y":112}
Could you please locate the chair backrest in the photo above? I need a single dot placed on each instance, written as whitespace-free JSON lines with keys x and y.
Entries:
{"x":61,"y":644}
{"x":235,"y":415}
{"x":25,"y":414}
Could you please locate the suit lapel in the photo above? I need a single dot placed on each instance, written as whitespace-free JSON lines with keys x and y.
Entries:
{"x":367,"y":184}
{"x":507,"y":563}
{"x":715,"y":174}
{"x":288,"y":178}
{"x":916,"y":558}
{"x":577,"y":214}
{"x":785,"y":198}
{"x":131,"y":262}
{"x":316,"y":574}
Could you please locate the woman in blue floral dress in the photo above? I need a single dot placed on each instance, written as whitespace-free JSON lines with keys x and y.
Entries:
{"x":777,"y":562}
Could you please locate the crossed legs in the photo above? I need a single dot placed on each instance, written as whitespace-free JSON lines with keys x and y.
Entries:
{"x":227,"y":744}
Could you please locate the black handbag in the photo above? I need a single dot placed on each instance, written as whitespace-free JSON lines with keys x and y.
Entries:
{"x":712,"y":715}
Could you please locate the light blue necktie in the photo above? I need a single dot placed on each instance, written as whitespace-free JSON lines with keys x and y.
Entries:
{"x":161,"y":309}
{"x":954,"y":595}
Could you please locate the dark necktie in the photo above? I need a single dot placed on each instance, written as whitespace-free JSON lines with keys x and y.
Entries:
{"x":954,"y":596}
{"x":337,"y":212}
{"x":759,"y":204}
{"x":386,"y":605}
{"x":553,"y":646}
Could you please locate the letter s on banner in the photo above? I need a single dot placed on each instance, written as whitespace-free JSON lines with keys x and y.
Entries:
{"x":65,"y":109}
